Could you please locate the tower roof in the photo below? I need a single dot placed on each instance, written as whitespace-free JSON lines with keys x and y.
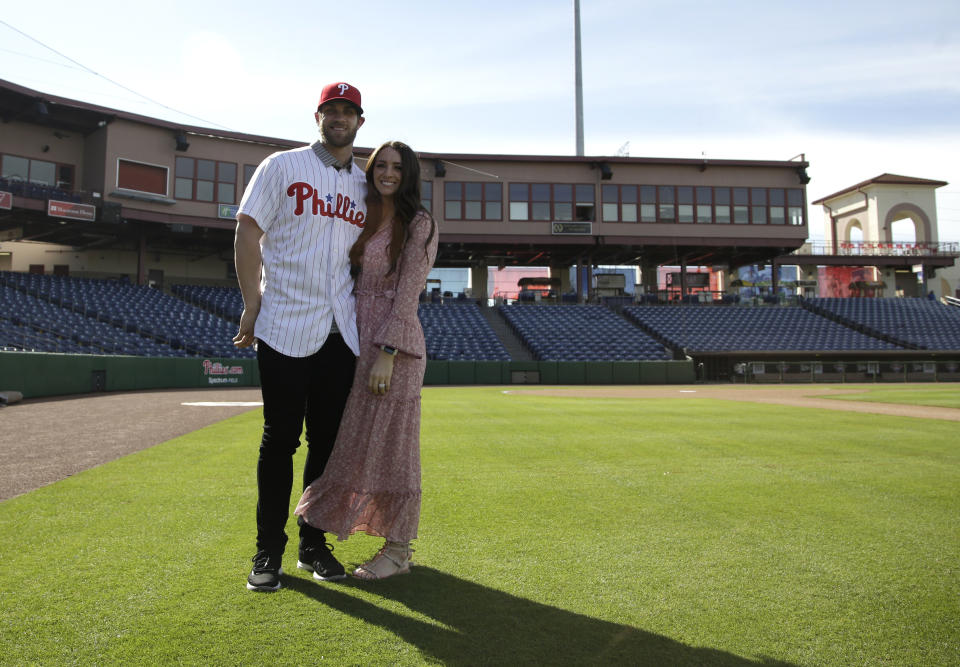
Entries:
{"x":884,"y":179}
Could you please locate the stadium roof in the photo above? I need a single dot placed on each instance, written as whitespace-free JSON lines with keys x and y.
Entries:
{"x":32,"y":106}
{"x":884,"y":179}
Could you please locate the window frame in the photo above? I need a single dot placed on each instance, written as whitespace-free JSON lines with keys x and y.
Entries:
{"x":723,"y":204}
{"x":248,"y":178}
{"x":552,"y":202}
{"x":426,"y":195}
{"x":486,"y":199}
{"x":57,"y":166}
{"x":216,"y":182}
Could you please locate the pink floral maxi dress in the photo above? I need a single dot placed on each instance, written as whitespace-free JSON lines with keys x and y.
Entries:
{"x":372,"y":481}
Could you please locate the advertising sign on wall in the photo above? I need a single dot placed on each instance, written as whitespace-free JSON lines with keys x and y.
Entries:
{"x":217,"y":373}
{"x":71,"y":210}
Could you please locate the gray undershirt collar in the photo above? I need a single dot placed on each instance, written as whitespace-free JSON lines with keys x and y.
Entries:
{"x":327,"y":158}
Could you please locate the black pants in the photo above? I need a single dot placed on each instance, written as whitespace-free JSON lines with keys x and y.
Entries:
{"x":295,"y":390}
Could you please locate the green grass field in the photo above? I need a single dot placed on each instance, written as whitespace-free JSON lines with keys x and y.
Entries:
{"x":554,"y":531}
{"x":937,"y":396}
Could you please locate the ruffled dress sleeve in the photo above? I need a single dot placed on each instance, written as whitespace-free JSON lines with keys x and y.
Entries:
{"x":401,"y":329}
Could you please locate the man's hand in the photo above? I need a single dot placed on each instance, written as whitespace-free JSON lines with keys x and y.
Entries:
{"x":381,"y":373}
{"x":244,"y":337}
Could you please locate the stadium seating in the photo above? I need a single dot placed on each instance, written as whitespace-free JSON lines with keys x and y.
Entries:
{"x":31,"y":323}
{"x":920,"y":322}
{"x":78,"y":315}
{"x":227,"y":302}
{"x":728,"y":328}
{"x":580,"y":333}
{"x":104,"y":316}
{"x":458,"y":332}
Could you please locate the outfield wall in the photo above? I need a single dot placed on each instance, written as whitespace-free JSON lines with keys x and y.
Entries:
{"x":48,"y":374}
{"x":36,"y":374}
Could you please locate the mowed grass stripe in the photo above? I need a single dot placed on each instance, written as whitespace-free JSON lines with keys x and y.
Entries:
{"x":555,"y":530}
{"x":938,"y":396}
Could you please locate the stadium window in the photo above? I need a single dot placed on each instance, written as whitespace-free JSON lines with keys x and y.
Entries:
{"x":142,"y":177}
{"x":226,"y":182}
{"x":563,"y":203}
{"x":795,"y":206}
{"x":426,"y":195}
{"x":586,"y":203}
{"x":704,"y":205}
{"x":685,"y":204}
{"x":472,"y":201}
{"x":648,"y":203}
{"x":452,"y":200}
{"x":540,"y":201}
{"x":741,"y":206}
{"x":65,"y":176}
{"x":43,"y":173}
{"x":39,"y":172}
{"x":519,"y":201}
{"x":758,"y":206}
{"x":15,"y":168}
{"x":721,"y":198}
{"x":628,"y":203}
{"x":248,"y":171}
{"x":666,"y":210}
{"x":202,"y":180}
{"x":545,"y":201}
{"x":610,"y":203}
{"x":777,"y":199}
{"x":493,"y":201}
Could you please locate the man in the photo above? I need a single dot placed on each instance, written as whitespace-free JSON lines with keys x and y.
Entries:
{"x":299,"y":216}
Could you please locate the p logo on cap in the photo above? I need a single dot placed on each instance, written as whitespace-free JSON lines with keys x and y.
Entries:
{"x":340,"y":91}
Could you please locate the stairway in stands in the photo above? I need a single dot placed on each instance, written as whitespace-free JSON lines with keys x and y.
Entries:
{"x":510,"y":340}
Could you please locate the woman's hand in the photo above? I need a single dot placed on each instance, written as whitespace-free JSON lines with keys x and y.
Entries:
{"x":380,"y":374}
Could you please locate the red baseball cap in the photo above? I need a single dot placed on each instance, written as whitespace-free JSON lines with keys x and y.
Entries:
{"x":340,"y":91}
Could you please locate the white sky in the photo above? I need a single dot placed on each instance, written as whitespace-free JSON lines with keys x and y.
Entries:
{"x":861,"y":88}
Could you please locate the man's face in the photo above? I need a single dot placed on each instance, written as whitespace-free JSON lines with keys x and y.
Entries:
{"x":338,"y":122}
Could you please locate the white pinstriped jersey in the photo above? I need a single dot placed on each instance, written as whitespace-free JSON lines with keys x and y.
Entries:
{"x":310,"y":215}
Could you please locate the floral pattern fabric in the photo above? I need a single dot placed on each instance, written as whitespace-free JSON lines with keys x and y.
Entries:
{"x":371,"y":483}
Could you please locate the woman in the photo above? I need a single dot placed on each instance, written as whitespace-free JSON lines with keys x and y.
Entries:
{"x":372,"y":480}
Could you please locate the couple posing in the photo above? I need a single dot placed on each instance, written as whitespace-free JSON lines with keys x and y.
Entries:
{"x":331,"y":262}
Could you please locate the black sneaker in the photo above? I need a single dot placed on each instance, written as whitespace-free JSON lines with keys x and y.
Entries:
{"x":265,"y":575}
{"x":321,"y":562}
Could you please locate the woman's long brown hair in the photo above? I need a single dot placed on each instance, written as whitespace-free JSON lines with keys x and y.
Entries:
{"x":406,"y":203}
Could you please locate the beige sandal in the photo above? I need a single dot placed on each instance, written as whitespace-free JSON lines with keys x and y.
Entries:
{"x":393,"y":558}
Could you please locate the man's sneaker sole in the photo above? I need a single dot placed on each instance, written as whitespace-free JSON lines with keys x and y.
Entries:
{"x":266,"y":589}
{"x":309,"y":568}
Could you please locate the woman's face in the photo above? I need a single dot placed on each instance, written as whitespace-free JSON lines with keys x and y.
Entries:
{"x":387,"y":172}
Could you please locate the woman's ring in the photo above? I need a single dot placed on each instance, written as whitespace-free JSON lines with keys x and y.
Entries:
{"x":382,"y":385}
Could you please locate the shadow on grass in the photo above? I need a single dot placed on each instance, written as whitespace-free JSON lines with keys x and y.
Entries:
{"x":487,"y":626}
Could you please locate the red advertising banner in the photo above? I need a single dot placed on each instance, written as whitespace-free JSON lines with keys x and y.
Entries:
{"x":71,"y":210}
{"x":836,"y":281}
{"x":6,"y":200}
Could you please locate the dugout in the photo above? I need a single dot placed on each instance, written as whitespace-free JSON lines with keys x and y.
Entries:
{"x":887,"y":366}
